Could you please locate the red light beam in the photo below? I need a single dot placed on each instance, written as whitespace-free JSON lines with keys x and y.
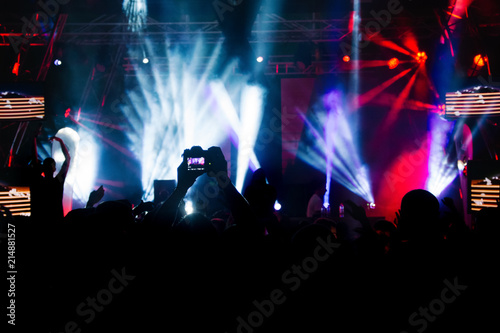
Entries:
{"x":113,"y":126}
{"x":106,"y":140}
{"x":370,"y":94}
{"x":389,"y":44}
{"x":398,"y":105}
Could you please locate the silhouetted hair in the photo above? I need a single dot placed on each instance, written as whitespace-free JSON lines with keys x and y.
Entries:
{"x":47,"y":165}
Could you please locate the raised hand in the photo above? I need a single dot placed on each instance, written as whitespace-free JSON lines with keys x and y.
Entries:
{"x":95,"y":196}
{"x":356,"y":211}
{"x":397,"y":218}
{"x":448,"y":202}
{"x":218,"y":166}
{"x":143,"y":207}
{"x":185,"y":177}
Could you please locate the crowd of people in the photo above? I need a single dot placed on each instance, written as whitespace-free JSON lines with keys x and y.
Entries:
{"x":112,"y":267}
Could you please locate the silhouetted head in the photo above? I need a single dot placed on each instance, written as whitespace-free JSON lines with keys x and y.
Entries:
{"x":49,"y":166}
{"x":384,"y":227}
{"x":115,"y":215}
{"x":419,"y":215}
{"x":259,"y":177}
{"x":320,"y":188}
{"x":328,"y":223}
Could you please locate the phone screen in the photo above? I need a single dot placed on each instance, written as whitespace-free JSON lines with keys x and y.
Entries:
{"x":196,"y":163}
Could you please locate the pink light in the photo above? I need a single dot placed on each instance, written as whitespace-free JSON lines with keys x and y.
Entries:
{"x":106,"y":140}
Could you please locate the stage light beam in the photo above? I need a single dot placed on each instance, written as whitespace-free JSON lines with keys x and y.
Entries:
{"x":185,"y":108}
{"x":333,"y":148}
{"x":136,"y":12}
{"x":441,"y":171}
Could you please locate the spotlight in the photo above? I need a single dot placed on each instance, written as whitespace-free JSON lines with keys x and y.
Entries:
{"x":260,"y":59}
{"x":277,"y":206}
{"x":15,"y":68}
{"x":393,"y":63}
{"x":57,"y":62}
{"x":371,"y":205}
{"x":479,"y":60}
{"x":145,"y":60}
{"x":462,"y":164}
{"x":346,"y":58}
{"x":421,"y":57}
{"x":188,"y":207}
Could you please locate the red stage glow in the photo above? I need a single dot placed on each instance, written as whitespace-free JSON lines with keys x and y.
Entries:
{"x":454,"y":15}
{"x":351,"y":21}
{"x":15,"y":68}
{"x":393,"y":63}
{"x":407,"y":172}
{"x":368,"y":63}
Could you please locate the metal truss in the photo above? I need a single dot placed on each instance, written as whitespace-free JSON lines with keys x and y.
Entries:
{"x":268,"y":28}
{"x":279,"y":33}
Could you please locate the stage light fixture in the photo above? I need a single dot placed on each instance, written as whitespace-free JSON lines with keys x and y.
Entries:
{"x":58,"y":62}
{"x":421,"y":57}
{"x":393,"y":63}
{"x":479,"y":60}
{"x":260,"y":59}
{"x":188,"y":207}
{"x":346,"y":58}
{"x":145,"y":60}
{"x":277,"y":206}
